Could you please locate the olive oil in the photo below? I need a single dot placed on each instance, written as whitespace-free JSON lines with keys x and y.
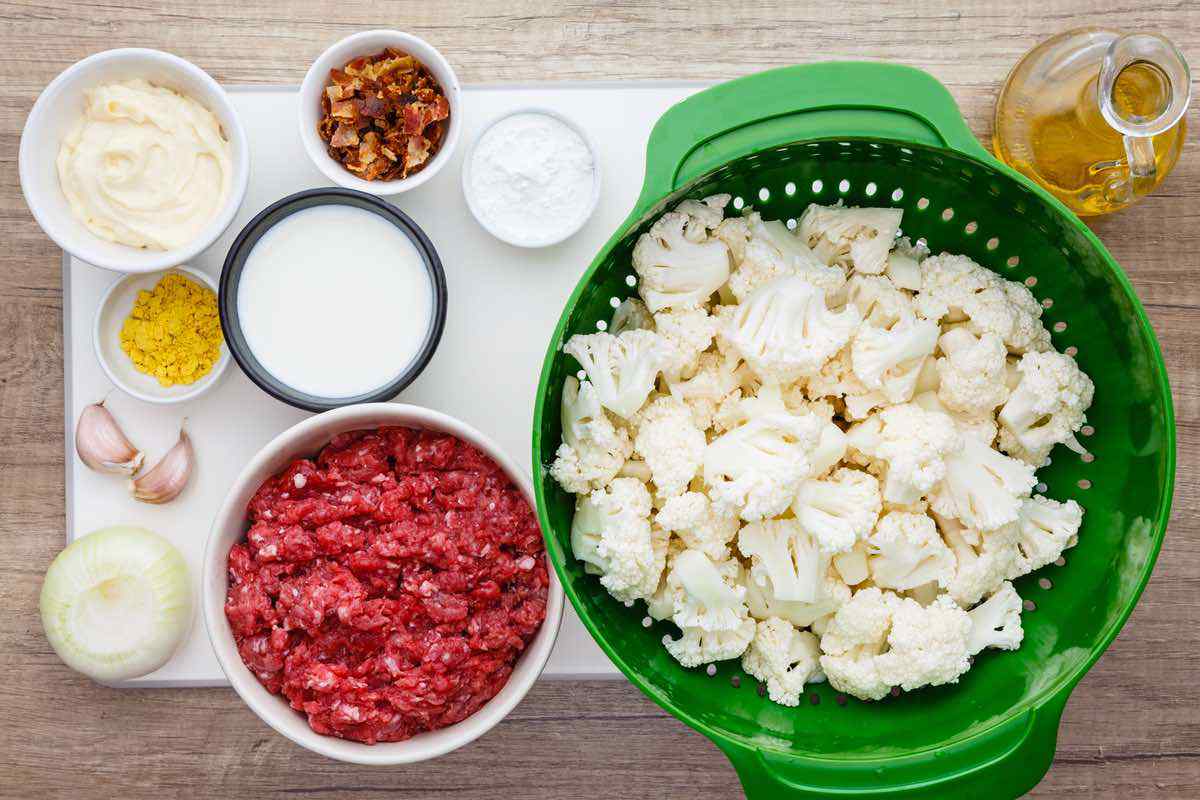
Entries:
{"x":1058,"y":116}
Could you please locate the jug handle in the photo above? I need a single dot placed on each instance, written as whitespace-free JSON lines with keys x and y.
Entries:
{"x":1002,"y":762}
{"x":789,"y":104}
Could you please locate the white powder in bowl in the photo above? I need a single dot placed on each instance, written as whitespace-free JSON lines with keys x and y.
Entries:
{"x":531,"y":179}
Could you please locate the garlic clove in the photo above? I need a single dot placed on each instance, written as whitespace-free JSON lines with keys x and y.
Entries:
{"x":102,"y":445}
{"x":166,"y":479}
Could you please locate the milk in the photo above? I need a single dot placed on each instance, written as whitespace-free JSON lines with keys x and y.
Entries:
{"x":335,"y":301}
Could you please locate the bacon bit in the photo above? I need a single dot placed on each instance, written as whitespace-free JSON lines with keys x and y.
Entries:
{"x":384,"y":116}
{"x":344,"y":136}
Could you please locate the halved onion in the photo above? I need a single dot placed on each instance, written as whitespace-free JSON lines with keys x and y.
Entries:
{"x":117,"y":603}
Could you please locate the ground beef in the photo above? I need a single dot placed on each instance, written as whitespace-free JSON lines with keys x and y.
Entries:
{"x":388,"y":586}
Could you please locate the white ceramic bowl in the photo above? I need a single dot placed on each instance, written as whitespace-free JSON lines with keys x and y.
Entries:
{"x":106,"y":341}
{"x":562,"y":235}
{"x":365,"y":44}
{"x":59,"y":108}
{"x":305,"y":439}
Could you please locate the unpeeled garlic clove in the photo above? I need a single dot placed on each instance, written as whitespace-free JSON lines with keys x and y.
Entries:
{"x":166,"y":479}
{"x":102,"y":445}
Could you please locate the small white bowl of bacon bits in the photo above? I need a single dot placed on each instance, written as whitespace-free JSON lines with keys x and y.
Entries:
{"x":380,"y":112}
{"x":375,"y":584}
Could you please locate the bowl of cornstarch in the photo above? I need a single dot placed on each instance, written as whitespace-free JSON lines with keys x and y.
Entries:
{"x":532,"y":179}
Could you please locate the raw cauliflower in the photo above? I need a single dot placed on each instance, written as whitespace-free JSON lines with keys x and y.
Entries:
{"x":906,"y":552}
{"x":815,"y":450}
{"x":784,"y":657}
{"x":853,"y":237}
{"x":754,"y":470}
{"x":913,"y":444}
{"x":670,"y":444}
{"x":593,"y":449}
{"x":622,"y":368}
{"x":679,"y":268}
{"x":840,"y":510}
{"x":1047,"y":407}
{"x":785,"y":331}
{"x":611,"y":532}
{"x":700,"y":526}
{"x":879,"y":640}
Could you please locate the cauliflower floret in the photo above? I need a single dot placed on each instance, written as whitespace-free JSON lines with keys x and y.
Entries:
{"x":784,"y":657}
{"x":785,"y":331}
{"x":784,"y":556}
{"x":631,"y":315}
{"x":703,"y":215}
{"x":677,"y":271}
{"x":763,"y":604}
{"x":879,"y":302}
{"x":705,"y":594}
{"x":971,"y":375}
{"x":622,"y":368}
{"x":983,"y":488}
{"x":593,"y":449}
{"x":853,"y":237}
{"x":611,"y":533}
{"x":697,"y":646}
{"x":839,"y":511}
{"x":996,"y":622}
{"x":904,"y":264}
{"x":688,"y":332}
{"x":982,"y":428}
{"x":879,"y":640}
{"x":853,"y":641}
{"x":982,"y":560}
{"x":913,"y":443}
{"x":756,"y":469}
{"x":955,"y":288}
{"x":837,"y":379}
{"x":927,"y":644}
{"x":1047,"y":528}
{"x":670,"y":444}
{"x":770,"y":251}
{"x":906,"y":552}
{"x":1047,"y":407}
{"x":713,"y":381}
{"x":890,"y":359}
{"x":735,"y":233}
{"x":691,"y":516}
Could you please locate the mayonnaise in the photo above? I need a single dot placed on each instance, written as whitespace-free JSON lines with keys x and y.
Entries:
{"x":145,"y":166}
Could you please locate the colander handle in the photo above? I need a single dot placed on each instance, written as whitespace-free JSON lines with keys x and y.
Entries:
{"x":789,"y":104}
{"x":1001,"y":763}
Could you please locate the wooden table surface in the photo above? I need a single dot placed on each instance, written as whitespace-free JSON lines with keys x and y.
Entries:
{"x":1127,"y":733}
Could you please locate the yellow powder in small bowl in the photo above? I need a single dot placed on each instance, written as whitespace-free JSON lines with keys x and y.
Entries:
{"x":173,"y":332}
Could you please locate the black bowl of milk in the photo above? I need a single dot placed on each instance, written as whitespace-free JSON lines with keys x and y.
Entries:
{"x":332,"y":297}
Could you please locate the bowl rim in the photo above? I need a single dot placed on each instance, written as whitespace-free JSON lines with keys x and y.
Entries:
{"x":314,"y":81}
{"x":239,"y":251}
{"x":206,"y":382}
{"x":597,"y":176}
{"x":214,"y":566}
{"x":162,"y":259}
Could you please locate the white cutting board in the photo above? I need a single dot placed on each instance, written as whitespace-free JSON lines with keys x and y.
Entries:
{"x":503,"y":304}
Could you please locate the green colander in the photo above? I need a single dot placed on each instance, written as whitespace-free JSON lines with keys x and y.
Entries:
{"x":876,"y":134}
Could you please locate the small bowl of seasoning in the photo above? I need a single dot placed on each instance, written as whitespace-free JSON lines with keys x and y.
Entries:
{"x":158,"y":336}
{"x":532,"y":178}
{"x":332,"y":297}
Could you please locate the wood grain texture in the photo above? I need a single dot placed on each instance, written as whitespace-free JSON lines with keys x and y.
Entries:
{"x":1131,"y":730}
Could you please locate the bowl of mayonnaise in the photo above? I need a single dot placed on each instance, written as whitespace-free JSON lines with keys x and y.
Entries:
{"x":134,"y":160}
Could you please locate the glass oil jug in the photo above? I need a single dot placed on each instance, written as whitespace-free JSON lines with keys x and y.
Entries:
{"x":1094,"y":116}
